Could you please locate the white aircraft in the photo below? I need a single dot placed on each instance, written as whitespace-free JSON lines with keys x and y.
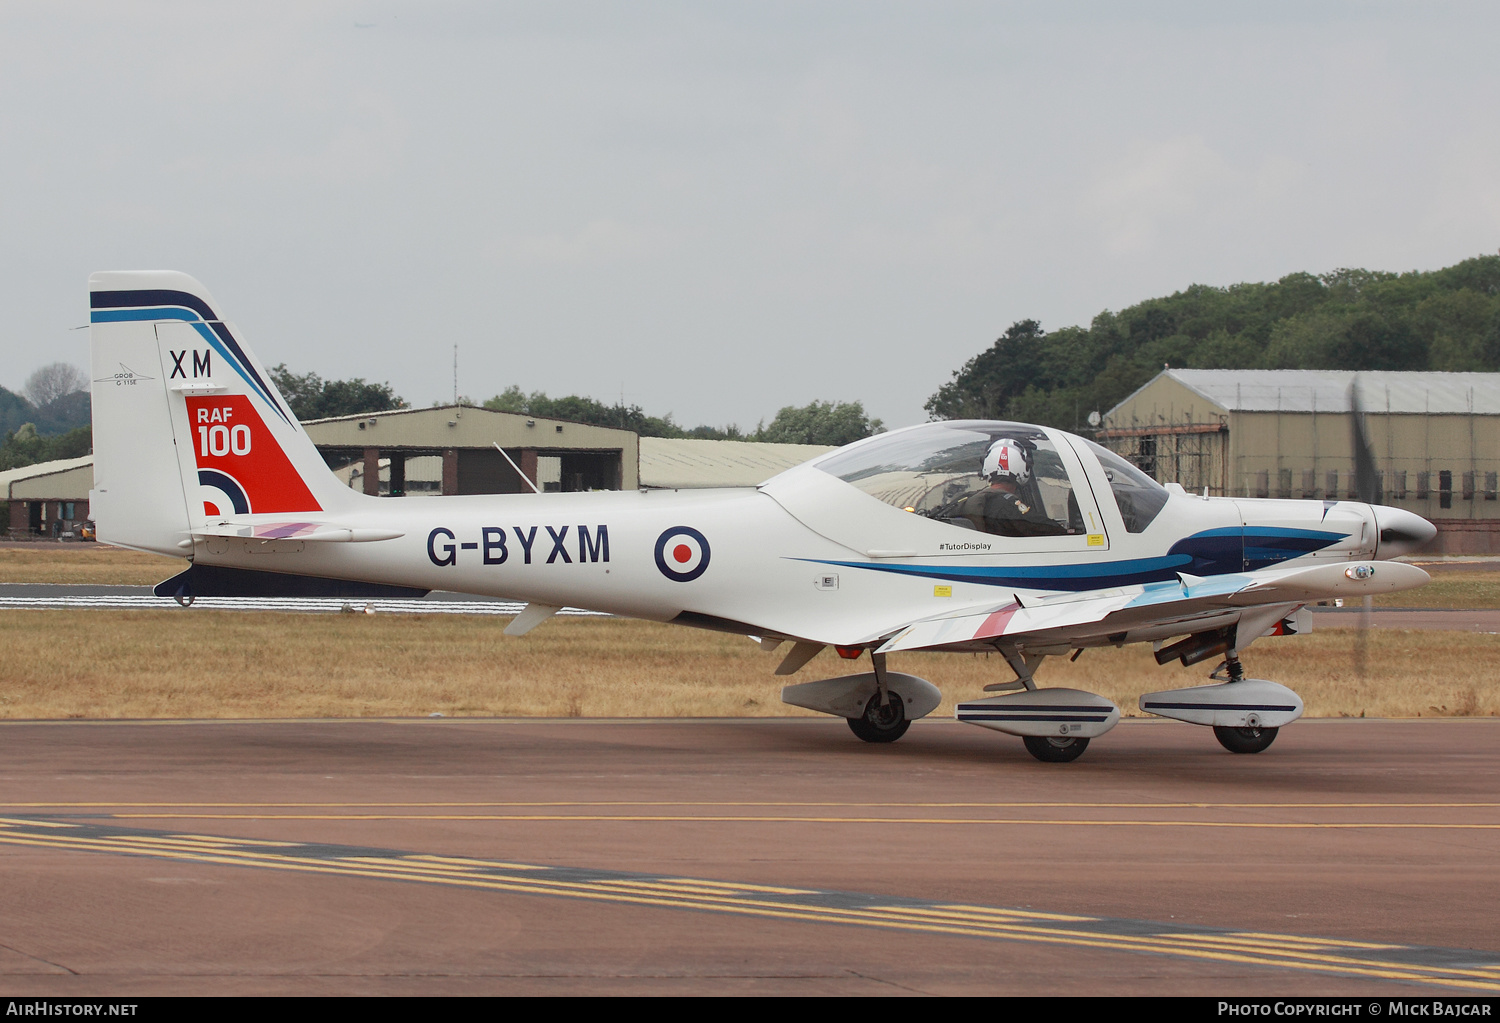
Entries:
{"x":961,"y":536}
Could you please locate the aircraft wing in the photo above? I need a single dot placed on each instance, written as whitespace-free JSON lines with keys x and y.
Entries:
{"x":316,"y":532}
{"x":1095,"y":612}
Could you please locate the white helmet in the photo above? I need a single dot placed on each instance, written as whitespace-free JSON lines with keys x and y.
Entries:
{"x":1006,"y":460}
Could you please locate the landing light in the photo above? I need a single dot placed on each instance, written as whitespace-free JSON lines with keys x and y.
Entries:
{"x":1359,"y":573}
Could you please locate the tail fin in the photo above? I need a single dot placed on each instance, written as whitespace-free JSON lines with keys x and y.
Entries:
{"x":188,"y":427}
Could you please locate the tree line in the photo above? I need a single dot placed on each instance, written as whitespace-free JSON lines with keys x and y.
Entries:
{"x":818,"y":422}
{"x":1349,"y":319}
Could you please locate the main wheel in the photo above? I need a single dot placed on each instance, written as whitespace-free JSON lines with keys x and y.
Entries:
{"x":1051,"y":749}
{"x":1244,"y":740}
{"x":881,"y":724}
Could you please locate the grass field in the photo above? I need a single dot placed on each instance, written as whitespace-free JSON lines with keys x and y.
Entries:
{"x":219,"y":664}
{"x":84,"y":563}
{"x":1450,"y":588}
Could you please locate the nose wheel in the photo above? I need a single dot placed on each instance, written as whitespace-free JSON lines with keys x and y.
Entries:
{"x":881,"y":723}
{"x":1244,"y":740}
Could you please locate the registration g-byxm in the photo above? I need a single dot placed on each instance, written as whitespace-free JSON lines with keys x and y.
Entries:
{"x":959,"y":536}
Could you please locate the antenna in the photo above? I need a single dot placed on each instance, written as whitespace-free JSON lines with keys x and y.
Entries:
{"x":455,"y":374}
{"x":524,"y":478}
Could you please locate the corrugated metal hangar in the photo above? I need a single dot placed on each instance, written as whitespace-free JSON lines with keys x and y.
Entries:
{"x":49,"y":498}
{"x":1286,"y":433}
{"x":463,"y":449}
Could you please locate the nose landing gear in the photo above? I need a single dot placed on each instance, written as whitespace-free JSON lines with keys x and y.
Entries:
{"x":1253,"y":739}
{"x":1245,"y":713}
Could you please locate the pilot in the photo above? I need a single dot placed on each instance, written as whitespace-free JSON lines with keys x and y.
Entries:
{"x":1006,"y":506}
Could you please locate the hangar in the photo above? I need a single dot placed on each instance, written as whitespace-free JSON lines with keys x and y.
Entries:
{"x":1286,"y":433}
{"x":49,"y":498}
{"x":465,"y":449}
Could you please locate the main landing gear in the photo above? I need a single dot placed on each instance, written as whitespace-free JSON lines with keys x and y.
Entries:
{"x":879,"y":705}
{"x":881,"y":722}
{"x":1055,"y":724}
{"x":1052,"y":749}
{"x":884,"y":716}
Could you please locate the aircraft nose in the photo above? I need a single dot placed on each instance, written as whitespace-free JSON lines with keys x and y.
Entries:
{"x":1401,"y":532}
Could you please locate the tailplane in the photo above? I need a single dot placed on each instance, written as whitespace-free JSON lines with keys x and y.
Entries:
{"x":188,"y":428}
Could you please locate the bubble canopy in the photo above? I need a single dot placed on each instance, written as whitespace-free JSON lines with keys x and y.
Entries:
{"x":938,"y":471}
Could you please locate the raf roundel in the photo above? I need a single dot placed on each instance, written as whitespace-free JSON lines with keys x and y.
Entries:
{"x":682,"y":553}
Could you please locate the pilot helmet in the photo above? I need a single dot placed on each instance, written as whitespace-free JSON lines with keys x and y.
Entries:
{"x":1006,"y":460}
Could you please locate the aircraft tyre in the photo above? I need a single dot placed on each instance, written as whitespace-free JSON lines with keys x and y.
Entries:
{"x":1052,"y":750}
{"x":1244,"y":740}
{"x":881,"y":724}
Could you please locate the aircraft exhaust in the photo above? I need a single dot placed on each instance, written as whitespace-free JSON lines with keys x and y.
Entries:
{"x":1198,"y":647}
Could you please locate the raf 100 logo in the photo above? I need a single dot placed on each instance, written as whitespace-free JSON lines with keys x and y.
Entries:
{"x":495,"y":545}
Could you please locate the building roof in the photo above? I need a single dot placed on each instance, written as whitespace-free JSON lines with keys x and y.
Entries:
{"x":30,"y":472}
{"x":447,"y":426}
{"x":691,"y":463}
{"x":1317,"y":390}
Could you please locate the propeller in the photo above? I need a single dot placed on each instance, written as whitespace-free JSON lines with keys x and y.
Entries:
{"x":1367,"y":486}
{"x":1366,"y":476}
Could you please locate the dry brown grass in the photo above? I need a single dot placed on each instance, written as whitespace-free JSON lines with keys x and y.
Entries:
{"x":217,"y":664}
{"x":84,"y":563}
{"x":1450,"y":588}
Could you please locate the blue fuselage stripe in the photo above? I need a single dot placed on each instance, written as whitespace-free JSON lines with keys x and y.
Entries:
{"x":1213,"y":552}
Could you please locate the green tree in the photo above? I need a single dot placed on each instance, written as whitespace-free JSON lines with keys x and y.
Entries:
{"x":985,"y":385}
{"x":24,"y":446}
{"x":309,"y":396}
{"x":576,"y":409}
{"x":820,"y":422}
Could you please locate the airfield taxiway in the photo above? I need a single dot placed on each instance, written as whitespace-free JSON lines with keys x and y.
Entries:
{"x":772,"y":856}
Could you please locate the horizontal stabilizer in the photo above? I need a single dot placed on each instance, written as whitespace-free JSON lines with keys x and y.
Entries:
{"x":212,"y":581}
{"x":315,"y":532}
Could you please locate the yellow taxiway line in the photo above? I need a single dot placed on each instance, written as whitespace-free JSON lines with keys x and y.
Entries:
{"x":1348,"y":958}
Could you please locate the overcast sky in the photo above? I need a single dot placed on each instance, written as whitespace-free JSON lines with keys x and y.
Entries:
{"x":720,"y":208}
